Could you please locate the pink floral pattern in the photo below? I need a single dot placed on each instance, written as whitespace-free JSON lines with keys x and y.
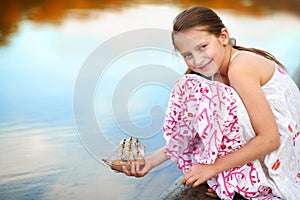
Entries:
{"x":202,"y":123}
{"x":200,"y":115}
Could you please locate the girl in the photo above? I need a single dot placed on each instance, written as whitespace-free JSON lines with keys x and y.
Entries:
{"x":239,"y":131}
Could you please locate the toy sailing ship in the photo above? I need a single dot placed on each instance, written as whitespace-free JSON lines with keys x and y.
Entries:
{"x":127,"y":153}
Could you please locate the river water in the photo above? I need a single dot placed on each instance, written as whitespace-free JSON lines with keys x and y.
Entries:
{"x":78,"y":77}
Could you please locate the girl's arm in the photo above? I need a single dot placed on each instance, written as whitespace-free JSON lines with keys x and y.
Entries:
{"x":247,"y":82}
{"x":151,"y":161}
{"x":157,"y":158}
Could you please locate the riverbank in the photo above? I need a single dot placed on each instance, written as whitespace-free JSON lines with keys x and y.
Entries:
{"x":177,"y":191}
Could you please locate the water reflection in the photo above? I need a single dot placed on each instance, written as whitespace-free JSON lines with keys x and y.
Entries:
{"x":51,"y":11}
{"x":45,"y":43}
{"x":43,"y":162}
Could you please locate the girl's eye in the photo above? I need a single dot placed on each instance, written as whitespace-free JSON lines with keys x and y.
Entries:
{"x":202,"y":47}
{"x":187,"y":55}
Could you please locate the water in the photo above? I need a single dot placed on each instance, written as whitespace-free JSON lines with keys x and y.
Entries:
{"x":51,"y":151}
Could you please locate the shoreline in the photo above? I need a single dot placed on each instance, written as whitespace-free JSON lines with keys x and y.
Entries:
{"x":177,"y":191}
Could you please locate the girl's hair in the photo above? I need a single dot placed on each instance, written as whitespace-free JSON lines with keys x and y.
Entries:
{"x":211,"y":22}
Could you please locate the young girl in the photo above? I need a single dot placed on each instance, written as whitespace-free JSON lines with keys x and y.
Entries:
{"x":240,"y":130}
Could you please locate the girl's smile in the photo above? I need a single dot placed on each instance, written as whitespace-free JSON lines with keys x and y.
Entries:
{"x":204,"y":65}
{"x":203,"y":52}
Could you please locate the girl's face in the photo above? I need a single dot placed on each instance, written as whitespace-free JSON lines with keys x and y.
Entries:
{"x":203,"y":52}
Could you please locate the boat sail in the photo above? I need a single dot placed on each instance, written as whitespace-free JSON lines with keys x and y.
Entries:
{"x":127,"y":152}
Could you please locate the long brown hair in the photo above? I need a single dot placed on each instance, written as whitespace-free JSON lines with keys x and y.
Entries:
{"x":207,"y":18}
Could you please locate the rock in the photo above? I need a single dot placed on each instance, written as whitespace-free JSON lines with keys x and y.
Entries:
{"x":177,"y":191}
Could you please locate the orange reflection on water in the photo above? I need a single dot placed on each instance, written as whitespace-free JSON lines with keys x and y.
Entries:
{"x":52,"y":11}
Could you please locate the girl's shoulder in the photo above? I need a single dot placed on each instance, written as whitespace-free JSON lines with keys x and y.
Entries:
{"x":250,"y":65}
{"x":249,"y":60}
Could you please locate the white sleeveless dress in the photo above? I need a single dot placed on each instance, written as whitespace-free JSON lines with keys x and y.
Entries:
{"x":207,"y":119}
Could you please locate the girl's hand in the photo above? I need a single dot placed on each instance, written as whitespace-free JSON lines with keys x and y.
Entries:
{"x":137,"y":170}
{"x":150,"y":162}
{"x":198,"y":174}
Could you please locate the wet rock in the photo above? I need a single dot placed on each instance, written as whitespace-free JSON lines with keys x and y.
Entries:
{"x":177,"y":191}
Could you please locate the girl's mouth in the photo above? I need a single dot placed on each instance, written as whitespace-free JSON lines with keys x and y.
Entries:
{"x":205,"y":65}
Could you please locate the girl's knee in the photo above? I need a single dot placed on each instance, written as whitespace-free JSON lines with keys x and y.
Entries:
{"x":191,"y":81}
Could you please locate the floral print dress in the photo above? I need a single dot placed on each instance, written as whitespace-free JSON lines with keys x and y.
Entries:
{"x":207,"y":119}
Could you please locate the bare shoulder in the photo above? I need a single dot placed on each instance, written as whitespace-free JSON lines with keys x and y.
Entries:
{"x":247,"y":73}
{"x":250,"y":67}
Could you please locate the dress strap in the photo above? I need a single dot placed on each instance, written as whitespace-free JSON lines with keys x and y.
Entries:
{"x":234,"y":55}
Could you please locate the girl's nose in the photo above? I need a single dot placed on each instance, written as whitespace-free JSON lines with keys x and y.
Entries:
{"x":199,"y":61}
